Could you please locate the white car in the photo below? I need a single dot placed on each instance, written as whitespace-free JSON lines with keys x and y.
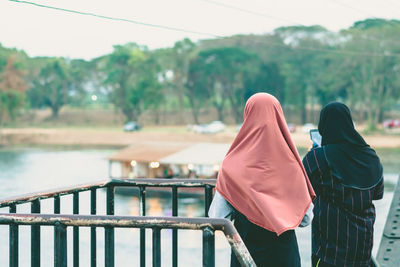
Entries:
{"x":213,"y":127}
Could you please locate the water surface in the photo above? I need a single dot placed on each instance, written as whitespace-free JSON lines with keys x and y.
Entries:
{"x":28,"y":170}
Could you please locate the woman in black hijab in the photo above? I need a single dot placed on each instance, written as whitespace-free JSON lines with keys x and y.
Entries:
{"x":346,"y":175}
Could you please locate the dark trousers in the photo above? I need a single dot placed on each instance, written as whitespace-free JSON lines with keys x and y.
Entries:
{"x":266,"y":248}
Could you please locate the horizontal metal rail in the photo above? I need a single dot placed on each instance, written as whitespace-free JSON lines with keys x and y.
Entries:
{"x":147,"y":182}
{"x":109,"y":186}
{"x":107,"y":221}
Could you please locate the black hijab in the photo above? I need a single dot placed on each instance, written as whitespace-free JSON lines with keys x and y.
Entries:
{"x":352,"y":160}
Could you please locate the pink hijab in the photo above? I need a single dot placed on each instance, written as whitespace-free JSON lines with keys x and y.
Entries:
{"x":262,"y":175}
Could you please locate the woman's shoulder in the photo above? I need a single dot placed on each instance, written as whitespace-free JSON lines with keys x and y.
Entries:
{"x":315,"y":159}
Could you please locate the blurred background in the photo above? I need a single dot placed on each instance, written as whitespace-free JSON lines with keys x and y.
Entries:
{"x":86,"y":88}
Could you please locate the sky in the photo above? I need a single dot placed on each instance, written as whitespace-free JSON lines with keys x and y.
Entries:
{"x":45,"y":32}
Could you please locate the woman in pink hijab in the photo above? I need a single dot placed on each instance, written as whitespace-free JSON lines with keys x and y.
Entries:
{"x":264,"y":180}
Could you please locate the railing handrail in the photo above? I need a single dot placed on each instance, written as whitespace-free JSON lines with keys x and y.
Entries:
{"x":205,"y":224}
{"x":196,"y":223}
{"x":148,"y":182}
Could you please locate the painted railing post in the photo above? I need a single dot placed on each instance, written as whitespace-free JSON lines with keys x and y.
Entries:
{"x":93,"y":237}
{"x":35,"y":236}
{"x":13,"y":240}
{"x":109,"y":231}
{"x":76,"y":231}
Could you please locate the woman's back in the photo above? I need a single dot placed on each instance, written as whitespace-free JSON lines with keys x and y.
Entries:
{"x":343,"y":216}
{"x":346,"y":175}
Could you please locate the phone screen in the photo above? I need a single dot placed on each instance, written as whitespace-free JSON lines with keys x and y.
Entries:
{"x":315,"y":137}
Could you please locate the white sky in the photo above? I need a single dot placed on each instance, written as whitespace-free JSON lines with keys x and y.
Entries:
{"x":45,"y":32}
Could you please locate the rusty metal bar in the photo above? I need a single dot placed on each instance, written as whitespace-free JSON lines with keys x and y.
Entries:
{"x":51,"y":193}
{"x":13,"y":240}
{"x":75,"y":231}
{"x":224,"y":225}
{"x":142,"y":212}
{"x":109,"y":231}
{"x":156,"y":247}
{"x":35,"y":236}
{"x":149,"y":182}
{"x":174,"y":231}
{"x":93,"y":241}
{"x":60,"y":250}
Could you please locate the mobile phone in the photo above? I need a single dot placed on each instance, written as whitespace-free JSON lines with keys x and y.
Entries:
{"x":315,"y":137}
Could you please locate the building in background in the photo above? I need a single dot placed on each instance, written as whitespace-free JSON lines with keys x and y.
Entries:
{"x":168,"y":160}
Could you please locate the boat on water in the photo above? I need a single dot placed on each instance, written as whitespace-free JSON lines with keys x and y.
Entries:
{"x":167,"y":160}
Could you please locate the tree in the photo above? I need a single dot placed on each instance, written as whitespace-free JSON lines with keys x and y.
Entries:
{"x":222,"y":72}
{"x":182,"y":52}
{"x":374,"y":72}
{"x":50,"y":88}
{"x":79,"y":82}
{"x":267,"y":78}
{"x":133,"y":75}
{"x":12,"y":89}
{"x":299,"y":67}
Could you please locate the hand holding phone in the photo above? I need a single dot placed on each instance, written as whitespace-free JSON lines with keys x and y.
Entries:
{"x":316,"y":138}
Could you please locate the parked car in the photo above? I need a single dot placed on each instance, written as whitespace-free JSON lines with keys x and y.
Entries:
{"x":389,"y":124}
{"x":132,"y":126}
{"x":213,"y":127}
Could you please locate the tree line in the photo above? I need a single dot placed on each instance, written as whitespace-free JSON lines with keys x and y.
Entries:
{"x":303,"y":66}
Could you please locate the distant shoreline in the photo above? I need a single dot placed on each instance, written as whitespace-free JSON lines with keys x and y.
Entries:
{"x":116,"y":138}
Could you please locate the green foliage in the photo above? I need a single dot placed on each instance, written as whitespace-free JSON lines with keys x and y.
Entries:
{"x":133,"y":74}
{"x":302,"y":66}
{"x":12,"y":89}
{"x":50,"y":88}
{"x":10,"y":102}
{"x":218,"y":75}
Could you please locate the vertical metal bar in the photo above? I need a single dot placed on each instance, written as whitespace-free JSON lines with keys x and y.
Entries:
{"x":76,"y":231}
{"x":13,"y":240}
{"x":57,"y":209}
{"x":156,"y":247}
{"x":60,"y":250}
{"x":142,"y":211}
{"x":35,"y":236}
{"x":208,"y":248}
{"x":57,"y":205}
{"x":109,"y":231}
{"x":174,"y":231}
{"x":208,"y":195}
{"x":93,"y":241}
{"x":208,"y":234}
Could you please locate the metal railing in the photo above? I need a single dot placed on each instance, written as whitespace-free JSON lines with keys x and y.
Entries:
{"x":389,"y":248}
{"x":60,"y":222}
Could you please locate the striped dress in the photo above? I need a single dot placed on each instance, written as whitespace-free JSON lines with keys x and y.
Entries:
{"x":343,"y":225}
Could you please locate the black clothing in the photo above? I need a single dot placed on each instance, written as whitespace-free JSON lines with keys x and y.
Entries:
{"x":316,"y":262}
{"x":351,"y":159}
{"x":336,"y":126}
{"x":266,"y":248}
{"x":344,"y":216}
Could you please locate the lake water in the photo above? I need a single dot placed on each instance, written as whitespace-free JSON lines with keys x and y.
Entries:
{"x":28,"y":170}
